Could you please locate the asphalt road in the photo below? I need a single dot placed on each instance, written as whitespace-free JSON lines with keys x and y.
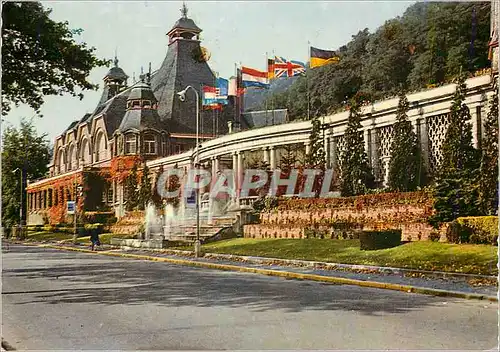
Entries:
{"x":67,"y":300}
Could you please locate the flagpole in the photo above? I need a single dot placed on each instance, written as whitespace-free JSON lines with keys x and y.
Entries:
{"x":267,"y":92}
{"x":307,"y":79}
{"x":241,"y":97}
{"x":272,"y":96}
{"x":236,"y":98}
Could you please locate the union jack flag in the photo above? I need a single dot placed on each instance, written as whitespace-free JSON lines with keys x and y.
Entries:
{"x":285,"y":68}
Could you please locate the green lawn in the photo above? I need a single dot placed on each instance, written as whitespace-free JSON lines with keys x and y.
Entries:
{"x":465,"y":258}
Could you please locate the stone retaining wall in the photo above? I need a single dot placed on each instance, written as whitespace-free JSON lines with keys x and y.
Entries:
{"x":345,"y":222}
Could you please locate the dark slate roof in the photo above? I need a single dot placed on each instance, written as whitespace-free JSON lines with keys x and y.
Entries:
{"x":114,"y":111}
{"x":186,"y":23}
{"x":116,"y":73}
{"x":71,"y":126}
{"x":141,"y":119}
{"x":264,"y":118}
{"x":178,"y":70}
{"x":142,"y":91}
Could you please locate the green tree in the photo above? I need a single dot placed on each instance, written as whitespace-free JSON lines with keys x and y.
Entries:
{"x":316,"y":158}
{"x":406,"y":170}
{"x":455,"y":190}
{"x":40,"y":57}
{"x":132,"y":189}
{"x":145,"y":190}
{"x":23,"y":149}
{"x":488,"y":175}
{"x":356,"y":176}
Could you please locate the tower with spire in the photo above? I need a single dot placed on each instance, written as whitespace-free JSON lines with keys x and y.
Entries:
{"x":184,"y":64}
{"x":114,"y":81}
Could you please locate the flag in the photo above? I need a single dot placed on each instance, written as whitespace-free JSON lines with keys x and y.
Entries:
{"x":254,"y":78}
{"x":233,"y":89}
{"x":212,"y":95}
{"x":285,"y":68}
{"x":270,"y":68}
{"x":222,"y":88}
{"x":321,"y":57}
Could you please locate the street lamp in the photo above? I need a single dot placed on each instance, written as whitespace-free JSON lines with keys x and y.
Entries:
{"x":182,"y":97}
{"x":21,"y":207}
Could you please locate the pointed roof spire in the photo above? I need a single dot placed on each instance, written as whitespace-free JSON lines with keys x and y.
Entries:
{"x":116,"y":57}
{"x":184,"y":10}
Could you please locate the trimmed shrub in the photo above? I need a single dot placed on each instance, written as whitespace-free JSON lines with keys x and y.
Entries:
{"x":371,"y":240}
{"x":474,"y":229}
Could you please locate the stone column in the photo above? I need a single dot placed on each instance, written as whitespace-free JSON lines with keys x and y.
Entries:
{"x":333,"y":153}
{"x":475,"y":128}
{"x":272,"y":157}
{"x":308,"y":147}
{"x":235,"y":173}
{"x":373,"y":153}
{"x":240,"y":171}
{"x":266,"y":155}
{"x":423,"y":140}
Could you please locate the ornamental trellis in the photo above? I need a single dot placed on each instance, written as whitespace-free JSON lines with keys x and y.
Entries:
{"x":436,"y":133}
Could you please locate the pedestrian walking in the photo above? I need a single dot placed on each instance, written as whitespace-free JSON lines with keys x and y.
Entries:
{"x":94,"y":238}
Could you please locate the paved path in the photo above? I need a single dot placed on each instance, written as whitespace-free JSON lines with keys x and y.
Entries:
{"x":68,"y":300}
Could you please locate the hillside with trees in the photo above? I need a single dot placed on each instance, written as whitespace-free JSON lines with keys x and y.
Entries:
{"x":429,"y":45}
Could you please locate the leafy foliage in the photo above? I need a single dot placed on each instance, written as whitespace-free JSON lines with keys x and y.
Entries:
{"x":428,"y":45}
{"x":40,"y":57}
{"x":132,"y":189}
{"x":356,"y":176}
{"x":488,"y":175}
{"x":406,"y":170}
{"x":25,"y":150}
{"x":145,"y":190}
{"x":455,"y":190}
{"x":316,"y":158}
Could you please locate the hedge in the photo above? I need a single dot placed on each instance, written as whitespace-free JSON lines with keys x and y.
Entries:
{"x":370,"y":240}
{"x":473,"y":229}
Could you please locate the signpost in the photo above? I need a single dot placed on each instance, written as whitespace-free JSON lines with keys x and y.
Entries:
{"x":70,"y":208}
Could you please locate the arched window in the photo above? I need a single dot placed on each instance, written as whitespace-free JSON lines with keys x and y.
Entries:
{"x":72,"y":158}
{"x":100,"y":147}
{"x":130,"y":144}
{"x":149,"y":143}
{"x":85,"y":152}
{"x":61,"y":167}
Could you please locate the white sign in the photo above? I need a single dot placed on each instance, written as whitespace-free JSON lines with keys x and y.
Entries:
{"x":70,"y":209}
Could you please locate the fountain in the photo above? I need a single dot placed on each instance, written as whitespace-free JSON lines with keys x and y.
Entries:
{"x":178,"y":224}
{"x":152,"y":223}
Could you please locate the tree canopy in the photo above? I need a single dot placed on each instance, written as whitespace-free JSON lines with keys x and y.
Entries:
{"x":428,"y":45}
{"x":23,"y":149}
{"x":40,"y":57}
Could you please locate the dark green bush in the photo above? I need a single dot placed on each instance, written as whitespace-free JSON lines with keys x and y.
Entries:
{"x":371,"y":240}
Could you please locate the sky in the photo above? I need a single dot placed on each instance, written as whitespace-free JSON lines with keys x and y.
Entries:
{"x":233,"y":32}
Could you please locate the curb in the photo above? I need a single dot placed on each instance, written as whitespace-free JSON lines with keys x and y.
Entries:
{"x":289,"y":275}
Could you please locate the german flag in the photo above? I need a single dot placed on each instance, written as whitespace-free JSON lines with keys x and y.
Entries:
{"x":321,"y":57}
{"x":270,"y":68}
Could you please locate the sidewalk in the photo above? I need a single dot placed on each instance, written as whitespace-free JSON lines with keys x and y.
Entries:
{"x":436,"y":283}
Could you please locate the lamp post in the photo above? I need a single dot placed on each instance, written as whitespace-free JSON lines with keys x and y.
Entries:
{"x":21,"y":205}
{"x":182,"y":97}
{"x":78,"y":193}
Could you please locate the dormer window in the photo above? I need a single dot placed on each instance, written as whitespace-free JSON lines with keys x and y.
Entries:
{"x":130,"y":144}
{"x":149,"y":144}
{"x":136,"y":103}
{"x":146,"y":104}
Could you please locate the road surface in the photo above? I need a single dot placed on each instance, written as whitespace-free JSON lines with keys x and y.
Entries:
{"x":68,"y":300}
